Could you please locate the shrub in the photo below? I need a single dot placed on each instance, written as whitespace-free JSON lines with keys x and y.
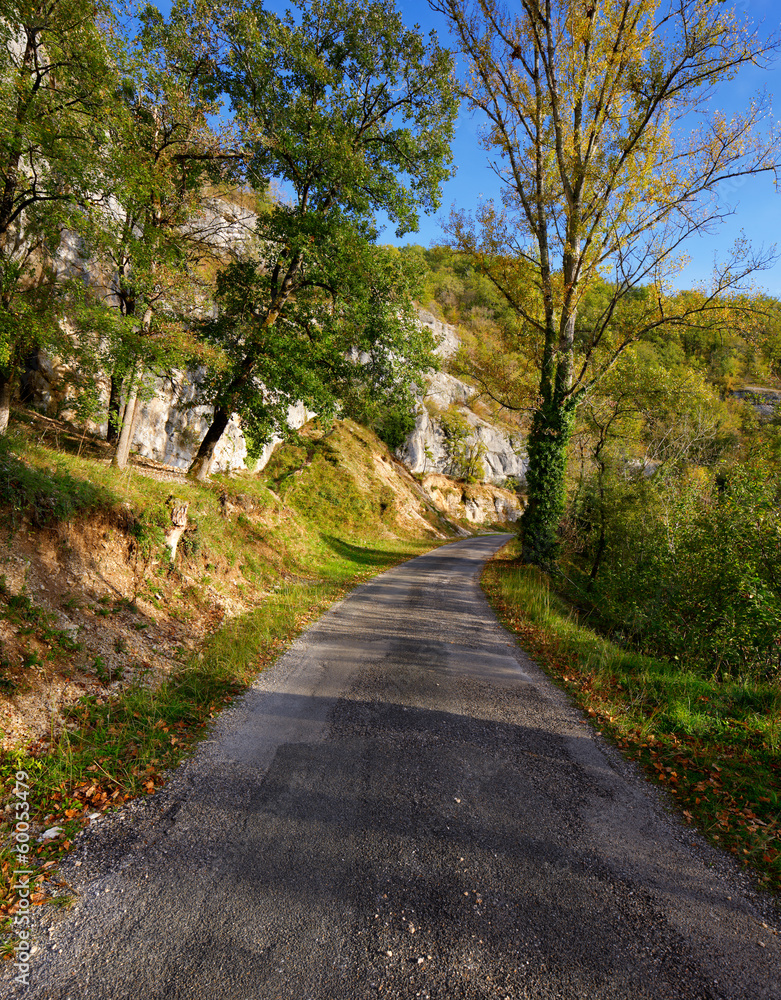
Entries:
{"x":690,"y":566}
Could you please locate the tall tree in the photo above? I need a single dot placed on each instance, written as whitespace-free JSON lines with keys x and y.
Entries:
{"x":351,"y":114}
{"x":153,"y":224}
{"x":350,"y":330}
{"x":55,"y":80}
{"x":600,"y":129}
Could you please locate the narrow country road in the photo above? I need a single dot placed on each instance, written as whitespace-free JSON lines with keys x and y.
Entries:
{"x":404,"y":807}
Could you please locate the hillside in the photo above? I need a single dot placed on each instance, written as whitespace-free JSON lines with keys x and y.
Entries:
{"x":92,"y":603}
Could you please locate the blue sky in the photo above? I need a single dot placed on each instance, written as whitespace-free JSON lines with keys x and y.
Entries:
{"x":756,"y":203}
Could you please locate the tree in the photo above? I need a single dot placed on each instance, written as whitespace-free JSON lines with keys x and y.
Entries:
{"x":152,"y":225}
{"x":644,"y":418}
{"x":350,"y":328}
{"x":55,"y":79}
{"x":600,"y":131}
{"x":350,"y":114}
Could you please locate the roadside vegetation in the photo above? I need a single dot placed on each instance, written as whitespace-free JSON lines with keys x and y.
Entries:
{"x":261,"y":558}
{"x":711,"y":738}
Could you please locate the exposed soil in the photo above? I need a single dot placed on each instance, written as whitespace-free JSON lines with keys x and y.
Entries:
{"x":87,"y":576}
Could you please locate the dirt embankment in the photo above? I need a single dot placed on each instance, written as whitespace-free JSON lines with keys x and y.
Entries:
{"x":92,"y":602}
{"x":85,"y":611}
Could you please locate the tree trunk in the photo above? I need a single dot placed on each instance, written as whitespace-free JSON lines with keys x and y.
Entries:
{"x":132,"y":410}
{"x":5,"y":401}
{"x":548,"y":441}
{"x":202,"y":463}
{"x":32,"y":364}
{"x":114,"y":410}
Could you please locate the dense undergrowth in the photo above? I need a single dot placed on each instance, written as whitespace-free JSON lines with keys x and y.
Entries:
{"x":686,"y":565}
{"x":289,"y":544}
{"x":712,"y":740}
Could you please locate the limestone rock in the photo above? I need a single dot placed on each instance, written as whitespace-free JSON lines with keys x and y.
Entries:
{"x":765,"y":402}
{"x":424,"y":450}
{"x":171,"y":427}
{"x":445,"y":335}
{"x":479,"y":503}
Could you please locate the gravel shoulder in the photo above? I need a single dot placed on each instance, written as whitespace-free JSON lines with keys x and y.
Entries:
{"x":404,"y":806}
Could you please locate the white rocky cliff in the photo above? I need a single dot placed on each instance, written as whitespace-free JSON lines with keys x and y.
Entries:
{"x":502,"y":455}
{"x":171,"y":424}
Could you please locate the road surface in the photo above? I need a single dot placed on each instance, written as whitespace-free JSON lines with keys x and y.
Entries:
{"x":404,"y":807}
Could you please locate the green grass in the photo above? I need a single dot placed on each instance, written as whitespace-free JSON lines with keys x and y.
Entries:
{"x":297,"y":551}
{"x":42,"y":493}
{"x":715,"y":745}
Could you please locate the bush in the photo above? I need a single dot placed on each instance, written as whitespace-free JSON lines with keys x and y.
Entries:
{"x":391,"y":421}
{"x":465,"y":457}
{"x":689,"y":567}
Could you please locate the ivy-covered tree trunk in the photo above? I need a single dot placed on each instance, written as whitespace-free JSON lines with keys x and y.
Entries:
{"x":545,"y":477}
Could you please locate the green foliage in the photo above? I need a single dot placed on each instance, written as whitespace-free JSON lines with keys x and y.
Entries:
{"x":738,"y":343}
{"x":454,"y":286}
{"x":360,"y":343}
{"x":29,"y":619}
{"x":392,"y":419}
{"x":351,"y":114}
{"x":345,"y":102}
{"x":148,"y":525}
{"x":395,"y":425}
{"x":691,"y":565}
{"x":55,"y":83}
{"x":465,"y":457}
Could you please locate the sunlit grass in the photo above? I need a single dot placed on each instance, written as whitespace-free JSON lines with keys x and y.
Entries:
{"x":712,"y":743}
{"x":294,"y":563}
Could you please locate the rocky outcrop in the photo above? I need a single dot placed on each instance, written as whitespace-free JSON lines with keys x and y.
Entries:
{"x":171,"y":427}
{"x":445,"y":335}
{"x":478,"y":503}
{"x":502,"y":454}
{"x":765,"y":402}
{"x":172,"y":423}
{"x":425,"y":450}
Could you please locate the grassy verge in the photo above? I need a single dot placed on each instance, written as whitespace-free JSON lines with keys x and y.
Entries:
{"x":288,"y":544}
{"x":714,"y":745}
{"x":112,"y":752}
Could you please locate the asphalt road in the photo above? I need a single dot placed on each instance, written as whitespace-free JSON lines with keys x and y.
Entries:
{"x":404,"y":807}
